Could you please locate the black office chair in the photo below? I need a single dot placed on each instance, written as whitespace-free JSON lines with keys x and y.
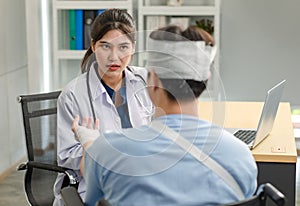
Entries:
{"x":71,"y":197}
{"x":39,"y":113}
{"x":264,"y":193}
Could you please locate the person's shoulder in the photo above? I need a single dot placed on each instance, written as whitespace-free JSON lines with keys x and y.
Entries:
{"x":228,"y":147}
{"x":235,"y":145}
{"x":224,"y":139}
{"x":74,"y":83}
{"x":71,"y":87}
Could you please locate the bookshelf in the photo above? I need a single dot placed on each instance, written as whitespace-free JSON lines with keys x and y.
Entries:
{"x":66,"y":62}
{"x":156,"y":13}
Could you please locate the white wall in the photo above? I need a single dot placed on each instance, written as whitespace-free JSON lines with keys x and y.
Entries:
{"x":21,"y":72}
{"x":260,"y":45}
{"x":34,"y":45}
{"x":13,"y":80}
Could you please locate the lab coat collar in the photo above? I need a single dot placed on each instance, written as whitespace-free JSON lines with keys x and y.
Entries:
{"x":130,"y":76}
{"x":97,"y":87}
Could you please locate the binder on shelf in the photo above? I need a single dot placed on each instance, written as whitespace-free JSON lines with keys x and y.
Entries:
{"x":89,"y":16}
{"x":72,"y":29}
{"x":79,"y":29}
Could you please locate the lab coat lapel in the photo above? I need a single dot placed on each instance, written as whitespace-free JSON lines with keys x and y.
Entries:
{"x":132,"y":85}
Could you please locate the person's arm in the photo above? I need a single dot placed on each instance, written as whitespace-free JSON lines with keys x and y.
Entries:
{"x":93,"y":180}
{"x":69,"y":151}
{"x":85,"y":134}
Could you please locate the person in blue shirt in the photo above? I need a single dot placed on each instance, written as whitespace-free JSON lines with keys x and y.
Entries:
{"x":173,"y":160}
{"x":108,"y":90}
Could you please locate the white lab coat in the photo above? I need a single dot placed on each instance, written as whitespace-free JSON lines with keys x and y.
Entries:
{"x":74,"y":100}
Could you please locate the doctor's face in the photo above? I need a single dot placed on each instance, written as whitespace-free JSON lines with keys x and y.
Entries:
{"x":113,"y":53}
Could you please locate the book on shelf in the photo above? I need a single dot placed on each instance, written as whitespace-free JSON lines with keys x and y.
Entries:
{"x":79,"y":29}
{"x":72,"y":29}
{"x":89,"y":17}
{"x":80,"y":25}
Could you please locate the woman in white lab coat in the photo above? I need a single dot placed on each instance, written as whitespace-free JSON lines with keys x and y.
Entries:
{"x":109,"y":90}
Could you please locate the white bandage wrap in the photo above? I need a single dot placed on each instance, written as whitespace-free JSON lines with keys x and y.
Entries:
{"x":180,"y":59}
{"x":84,"y":135}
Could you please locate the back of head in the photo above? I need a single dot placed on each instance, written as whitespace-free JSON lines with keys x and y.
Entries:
{"x":175,"y":33}
{"x":182,"y":60}
{"x":111,"y":19}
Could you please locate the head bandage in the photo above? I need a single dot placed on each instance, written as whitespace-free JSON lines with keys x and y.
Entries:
{"x":180,"y":59}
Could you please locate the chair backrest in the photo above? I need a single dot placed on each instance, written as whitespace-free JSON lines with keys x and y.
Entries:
{"x":39,"y":118}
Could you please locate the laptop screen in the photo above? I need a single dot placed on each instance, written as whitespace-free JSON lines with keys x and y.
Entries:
{"x":269,"y":112}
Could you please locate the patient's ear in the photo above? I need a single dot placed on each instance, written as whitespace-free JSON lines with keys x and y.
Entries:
{"x":154,"y":87}
{"x":153,"y":80}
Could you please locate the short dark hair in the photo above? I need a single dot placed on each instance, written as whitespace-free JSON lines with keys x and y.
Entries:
{"x":183,"y":90}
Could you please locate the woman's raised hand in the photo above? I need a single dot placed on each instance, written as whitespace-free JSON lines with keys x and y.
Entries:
{"x":87,"y":132}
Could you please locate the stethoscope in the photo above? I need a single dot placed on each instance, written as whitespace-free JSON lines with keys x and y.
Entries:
{"x":149,"y":111}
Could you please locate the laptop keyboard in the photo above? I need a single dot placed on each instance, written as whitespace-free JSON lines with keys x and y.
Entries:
{"x":246,"y":136}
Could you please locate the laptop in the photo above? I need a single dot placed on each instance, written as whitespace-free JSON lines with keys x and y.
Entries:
{"x":253,"y":137}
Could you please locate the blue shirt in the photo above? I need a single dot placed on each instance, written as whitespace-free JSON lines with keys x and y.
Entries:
{"x":123,"y":108}
{"x":141,"y":167}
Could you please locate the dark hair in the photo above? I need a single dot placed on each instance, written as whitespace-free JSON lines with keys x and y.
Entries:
{"x":192,"y":33}
{"x":180,"y":89}
{"x":108,"y":20}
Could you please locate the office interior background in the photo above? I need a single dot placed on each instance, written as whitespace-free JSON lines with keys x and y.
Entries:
{"x":259,"y":46}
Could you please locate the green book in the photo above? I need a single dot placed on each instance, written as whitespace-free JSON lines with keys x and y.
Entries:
{"x":72,"y":29}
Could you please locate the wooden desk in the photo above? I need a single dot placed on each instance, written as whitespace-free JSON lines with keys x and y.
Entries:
{"x":276,"y":156}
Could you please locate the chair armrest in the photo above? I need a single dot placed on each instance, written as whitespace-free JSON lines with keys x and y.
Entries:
{"x":22,"y":166}
{"x":46,"y":166}
{"x":274,"y":194}
{"x":40,"y":165}
{"x":71,"y":197}
{"x":74,"y":179}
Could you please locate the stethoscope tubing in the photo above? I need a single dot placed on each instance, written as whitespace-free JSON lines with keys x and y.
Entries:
{"x":150,"y":112}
